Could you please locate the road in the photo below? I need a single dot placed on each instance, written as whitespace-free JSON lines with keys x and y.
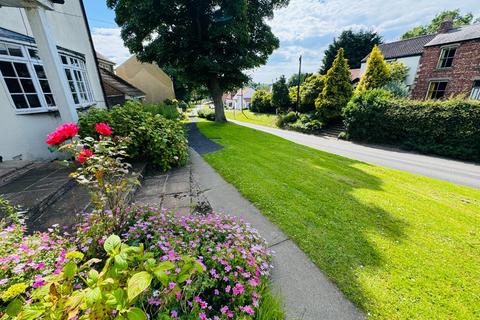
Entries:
{"x":458,"y":172}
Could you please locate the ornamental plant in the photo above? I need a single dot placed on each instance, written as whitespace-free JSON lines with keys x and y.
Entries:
{"x":118,"y":290}
{"x":377,"y":73}
{"x":102,"y":168}
{"x":235,"y":258}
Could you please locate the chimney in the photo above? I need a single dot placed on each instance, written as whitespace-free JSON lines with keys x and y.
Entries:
{"x":446,"y":25}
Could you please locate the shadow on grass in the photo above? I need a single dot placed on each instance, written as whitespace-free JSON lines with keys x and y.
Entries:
{"x":310,"y":195}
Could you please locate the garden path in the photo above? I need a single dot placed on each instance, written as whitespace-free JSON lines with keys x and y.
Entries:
{"x":458,"y":172}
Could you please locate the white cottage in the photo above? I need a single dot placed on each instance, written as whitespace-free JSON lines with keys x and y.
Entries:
{"x":48,"y":73}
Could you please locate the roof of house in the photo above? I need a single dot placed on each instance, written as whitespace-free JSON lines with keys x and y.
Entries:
{"x":464,"y":33}
{"x":9,"y":34}
{"x":119,"y":84}
{"x":356,"y":73}
{"x":404,"y":48}
{"x":247,"y":93}
{"x":102,"y":57}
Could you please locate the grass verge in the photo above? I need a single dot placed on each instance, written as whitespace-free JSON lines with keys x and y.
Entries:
{"x":263,"y":119}
{"x":400,"y":246}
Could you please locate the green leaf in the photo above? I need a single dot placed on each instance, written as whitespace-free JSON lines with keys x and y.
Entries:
{"x":14,"y":307}
{"x":137,"y":284}
{"x":136,"y":314}
{"x":167,"y":265}
{"x":31,"y":312}
{"x":92,"y":277}
{"x":121,"y":261}
{"x":112,"y":244}
{"x":117,"y":299}
{"x":69,"y":270}
{"x":93,"y":296}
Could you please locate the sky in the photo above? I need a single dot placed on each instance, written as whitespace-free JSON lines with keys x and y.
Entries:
{"x":305,"y":27}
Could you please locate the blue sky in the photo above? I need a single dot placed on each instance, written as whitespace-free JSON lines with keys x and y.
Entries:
{"x":305,"y":27}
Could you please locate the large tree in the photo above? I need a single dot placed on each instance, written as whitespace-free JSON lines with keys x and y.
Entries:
{"x":280,"y":95}
{"x":377,"y":73}
{"x":210,"y":43}
{"x":356,"y":45}
{"x":432,"y":27}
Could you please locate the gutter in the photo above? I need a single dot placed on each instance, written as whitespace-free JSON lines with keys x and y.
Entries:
{"x":84,"y":14}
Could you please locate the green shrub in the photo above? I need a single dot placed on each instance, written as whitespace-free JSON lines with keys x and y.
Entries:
{"x":306,"y":123}
{"x":207,"y":113}
{"x":310,"y":90}
{"x":448,"y":128}
{"x":398,"y":88}
{"x":153,"y":138}
{"x":262,"y":102}
{"x":168,"y":111}
{"x":286,"y":118}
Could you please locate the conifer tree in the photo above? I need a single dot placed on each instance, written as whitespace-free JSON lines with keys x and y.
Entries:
{"x":337,"y":90}
{"x":377,"y":73}
{"x":280,"y":96}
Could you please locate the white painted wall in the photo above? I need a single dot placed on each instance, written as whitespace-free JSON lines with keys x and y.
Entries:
{"x":24,"y":135}
{"x":411,"y":62}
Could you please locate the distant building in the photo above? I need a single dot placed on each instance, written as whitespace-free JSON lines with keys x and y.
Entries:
{"x":117,"y":90}
{"x":227,"y":99}
{"x":450,"y":64}
{"x":355,"y":75}
{"x":48,"y":72}
{"x":147,"y":77}
{"x":407,"y":51}
{"x":243,"y":98}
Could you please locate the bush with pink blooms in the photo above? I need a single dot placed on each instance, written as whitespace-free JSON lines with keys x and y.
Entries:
{"x":236,"y":260}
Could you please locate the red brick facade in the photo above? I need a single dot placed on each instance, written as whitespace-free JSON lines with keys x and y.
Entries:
{"x":460,"y":77}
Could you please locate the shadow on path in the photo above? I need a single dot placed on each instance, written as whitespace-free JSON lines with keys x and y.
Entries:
{"x":199,"y":142}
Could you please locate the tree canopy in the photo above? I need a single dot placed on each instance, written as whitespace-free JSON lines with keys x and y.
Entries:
{"x":210,"y":43}
{"x":432,"y":27}
{"x":293,"y":80}
{"x":356,"y":45}
{"x":280,"y":94}
{"x":377,"y":73}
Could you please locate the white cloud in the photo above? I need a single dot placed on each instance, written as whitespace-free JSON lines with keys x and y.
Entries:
{"x":108,"y":42}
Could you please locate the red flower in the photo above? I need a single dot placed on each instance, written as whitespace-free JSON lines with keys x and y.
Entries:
{"x":62,"y":133}
{"x":84,"y":155}
{"x":104,"y":129}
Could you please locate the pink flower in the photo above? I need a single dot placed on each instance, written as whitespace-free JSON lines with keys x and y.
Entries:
{"x":247,"y":309}
{"x":84,"y":155}
{"x":38,"y":282}
{"x":238,"y":289}
{"x":171,"y":285}
{"x":202,"y":316}
{"x":62,"y":133}
{"x":103,"y":129}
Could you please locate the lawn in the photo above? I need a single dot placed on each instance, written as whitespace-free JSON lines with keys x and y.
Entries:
{"x":263,"y":119}
{"x":400,"y":246}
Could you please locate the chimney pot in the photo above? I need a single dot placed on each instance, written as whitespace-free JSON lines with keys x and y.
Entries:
{"x":446,"y":25}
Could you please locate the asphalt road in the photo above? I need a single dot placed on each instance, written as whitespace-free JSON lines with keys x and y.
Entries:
{"x":458,"y":172}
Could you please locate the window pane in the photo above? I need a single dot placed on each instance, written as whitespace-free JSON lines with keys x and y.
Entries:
{"x":13,"y":86}
{"x":33,"y":101}
{"x":19,"y":101}
{"x":50,"y":100}
{"x":22,"y":70}
{"x":64,"y":59}
{"x":33,"y":53}
{"x":69,"y":74}
{"x":40,"y":72}
{"x":3,"y":49}
{"x":15,"y":51}
{"x":7,"y":69}
{"x":77,"y":75}
{"x":75,"y":98}
{"x":72,"y":86}
{"x":45,"y":86}
{"x":28,"y":86}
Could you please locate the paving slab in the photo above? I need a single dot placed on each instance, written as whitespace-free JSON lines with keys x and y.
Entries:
{"x":307,"y":293}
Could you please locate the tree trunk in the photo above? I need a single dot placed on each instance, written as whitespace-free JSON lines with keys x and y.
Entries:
{"x":217,"y":93}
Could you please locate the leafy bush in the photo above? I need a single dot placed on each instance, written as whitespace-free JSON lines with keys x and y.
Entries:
{"x":235,"y":258}
{"x":398,"y":88}
{"x":448,"y":128}
{"x":168,"y":111}
{"x":284,"y":119}
{"x":207,"y":113}
{"x":152,"y":138}
{"x":377,"y":73}
{"x":306,"y":123}
{"x":262,"y":102}
{"x":310,"y":90}
{"x":280,"y":97}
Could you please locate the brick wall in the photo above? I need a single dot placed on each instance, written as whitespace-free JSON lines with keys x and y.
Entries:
{"x":466,"y":67}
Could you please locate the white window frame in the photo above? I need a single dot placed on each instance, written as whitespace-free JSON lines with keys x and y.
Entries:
{"x":31,"y":62}
{"x":475,"y":94}
{"x":442,"y":54}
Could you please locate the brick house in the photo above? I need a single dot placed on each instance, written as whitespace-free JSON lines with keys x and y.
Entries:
{"x":450,"y":64}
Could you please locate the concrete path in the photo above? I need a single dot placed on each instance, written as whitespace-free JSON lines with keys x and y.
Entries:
{"x":458,"y":172}
{"x":307,"y":293}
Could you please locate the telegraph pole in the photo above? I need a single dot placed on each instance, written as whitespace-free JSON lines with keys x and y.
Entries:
{"x":299,"y":81}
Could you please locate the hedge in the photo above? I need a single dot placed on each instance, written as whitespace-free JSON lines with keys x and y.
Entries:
{"x":447,"y":128}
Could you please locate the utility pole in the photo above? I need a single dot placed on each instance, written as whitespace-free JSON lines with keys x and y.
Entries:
{"x":299,"y":81}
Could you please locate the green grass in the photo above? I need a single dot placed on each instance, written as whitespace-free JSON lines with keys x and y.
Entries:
{"x":400,"y":246}
{"x":263,"y":119}
{"x":270,"y":306}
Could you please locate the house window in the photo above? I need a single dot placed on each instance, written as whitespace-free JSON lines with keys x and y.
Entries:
{"x":76,"y":73}
{"x":446,"y":57}
{"x":25,"y":79}
{"x":436,"y":89}
{"x":476,"y":90}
